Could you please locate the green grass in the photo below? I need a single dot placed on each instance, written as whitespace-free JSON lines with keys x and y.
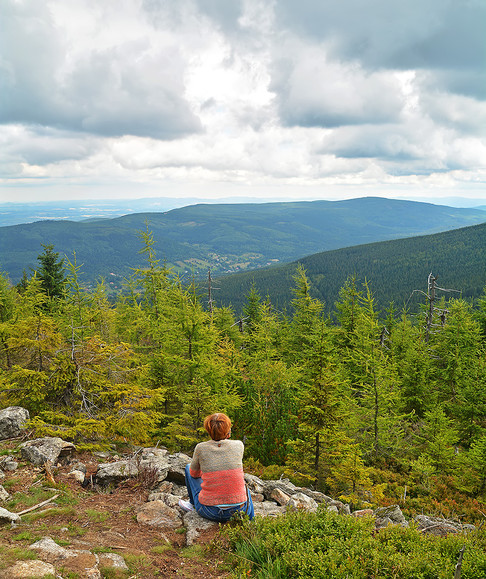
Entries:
{"x":48,"y":513}
{"x":160,"y":549}
{"x":10,"y":555}
{"x":97,"y":516}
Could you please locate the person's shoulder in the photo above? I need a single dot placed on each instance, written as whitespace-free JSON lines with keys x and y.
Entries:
{"x":236,"y":443}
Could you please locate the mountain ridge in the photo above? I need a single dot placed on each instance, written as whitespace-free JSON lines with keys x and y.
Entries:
{"x":226,"y":237}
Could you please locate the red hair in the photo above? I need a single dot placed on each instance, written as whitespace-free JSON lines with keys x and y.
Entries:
{"x":218,"y":426}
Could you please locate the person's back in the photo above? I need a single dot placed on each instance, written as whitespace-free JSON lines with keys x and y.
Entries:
{"x":220,"y":465}
{"x":215,"y":480}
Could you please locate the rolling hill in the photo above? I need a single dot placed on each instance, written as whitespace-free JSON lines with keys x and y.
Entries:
{"x":393,"y":269}
{"x":225,"y":237}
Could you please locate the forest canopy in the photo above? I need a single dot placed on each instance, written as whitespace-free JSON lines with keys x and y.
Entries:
{"x":367,"y":405}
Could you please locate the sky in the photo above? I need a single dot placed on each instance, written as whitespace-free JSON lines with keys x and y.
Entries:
{"x":283,"y":99}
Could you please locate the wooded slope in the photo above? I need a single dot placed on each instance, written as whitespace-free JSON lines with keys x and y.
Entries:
{"x":226,"y":237}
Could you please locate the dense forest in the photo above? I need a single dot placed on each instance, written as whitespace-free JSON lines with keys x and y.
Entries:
{"x":374,"y":407}
{"x":396,"y":271}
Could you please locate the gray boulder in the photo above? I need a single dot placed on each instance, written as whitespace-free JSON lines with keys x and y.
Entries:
{"x":8,"y":464}
{"x":440,"y":527}
{"x":391,"y":515}
{"x":114,"y":472}
{"x":158,"y":514}
{"x":194,"y":524}
{"x":3,"y":494}
{"x":155,"y":464}
{"x":12,"y":421}
{"x":301,"y":502}
{"x":49,"y":448}
{"x":177,"y":466}
{"x":8,"y":517}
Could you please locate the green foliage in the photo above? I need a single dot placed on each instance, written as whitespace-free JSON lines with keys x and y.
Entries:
{"x":359,"y":404}
{"x":331,"y":546}
{"x":51,"y":272}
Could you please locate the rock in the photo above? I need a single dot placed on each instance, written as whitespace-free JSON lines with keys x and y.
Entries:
{"x":50,"y":550}
{"x":332,"y":509}
{"x":284,"y":485}
{"x":12,"y":421}
{"x":179,"y":491}
{"x":177,"y":466}
{"x":257,"y":497}
{"x":8,"y":517}
{"x":29,"y":569}
{"x":3,"y":494}
{"x":10,"y":464}
{"x":114,"y":472}
{"x":299,"y":501}
{"x":103,"y":454}
{"x":78,"y":466}
{"x":112,"y":561}
{"x":158,"y":514}
{"x":49,"y":448}
{"x":167,"y":498}
{"x":391,"y":515}
{"x":75,"y":560}
{"x":164,"y":487}
{"x":152,"y":463}
{"x":194,"y":525}
{"x":279,"y":497}
{"x":77,"y":475}
{"x":268,"y":509}
{"x":440,"y":527}
{"x":255,"y":484}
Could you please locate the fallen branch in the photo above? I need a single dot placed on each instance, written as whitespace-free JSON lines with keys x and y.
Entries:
{"x":38,"y":506}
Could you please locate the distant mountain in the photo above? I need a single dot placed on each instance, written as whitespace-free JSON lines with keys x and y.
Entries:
{"x":393,"y":269}
{"x":225,"y":237}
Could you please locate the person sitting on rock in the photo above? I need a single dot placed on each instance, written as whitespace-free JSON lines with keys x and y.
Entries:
{"x":214,"y":478}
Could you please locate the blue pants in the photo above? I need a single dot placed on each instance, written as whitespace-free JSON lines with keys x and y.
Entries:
{"x":213,"y":513}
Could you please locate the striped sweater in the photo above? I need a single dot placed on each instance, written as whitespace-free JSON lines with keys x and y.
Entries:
{"x":220,"y":465}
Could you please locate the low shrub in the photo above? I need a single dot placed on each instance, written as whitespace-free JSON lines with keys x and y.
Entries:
{"x":330,"y":546}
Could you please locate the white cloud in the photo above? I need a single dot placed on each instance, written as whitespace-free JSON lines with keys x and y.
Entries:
{"x":211,"y":96}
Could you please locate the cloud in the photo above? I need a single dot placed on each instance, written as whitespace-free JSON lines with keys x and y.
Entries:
{"x":316,"y":91}
{"x":213,"y":94}
{"x":130,"y":86}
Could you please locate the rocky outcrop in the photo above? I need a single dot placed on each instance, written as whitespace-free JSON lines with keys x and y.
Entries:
{"x":151,"y":463}
{"x":49,"y":448}
{"x":12,"y":421}
{"x":440,"y":527}
{"x":392,"y":515}
{"x":78,"y":562}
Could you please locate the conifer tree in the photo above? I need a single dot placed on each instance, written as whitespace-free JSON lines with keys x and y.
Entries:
{"x":51,"y":272}
{"x":8,"y":297}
